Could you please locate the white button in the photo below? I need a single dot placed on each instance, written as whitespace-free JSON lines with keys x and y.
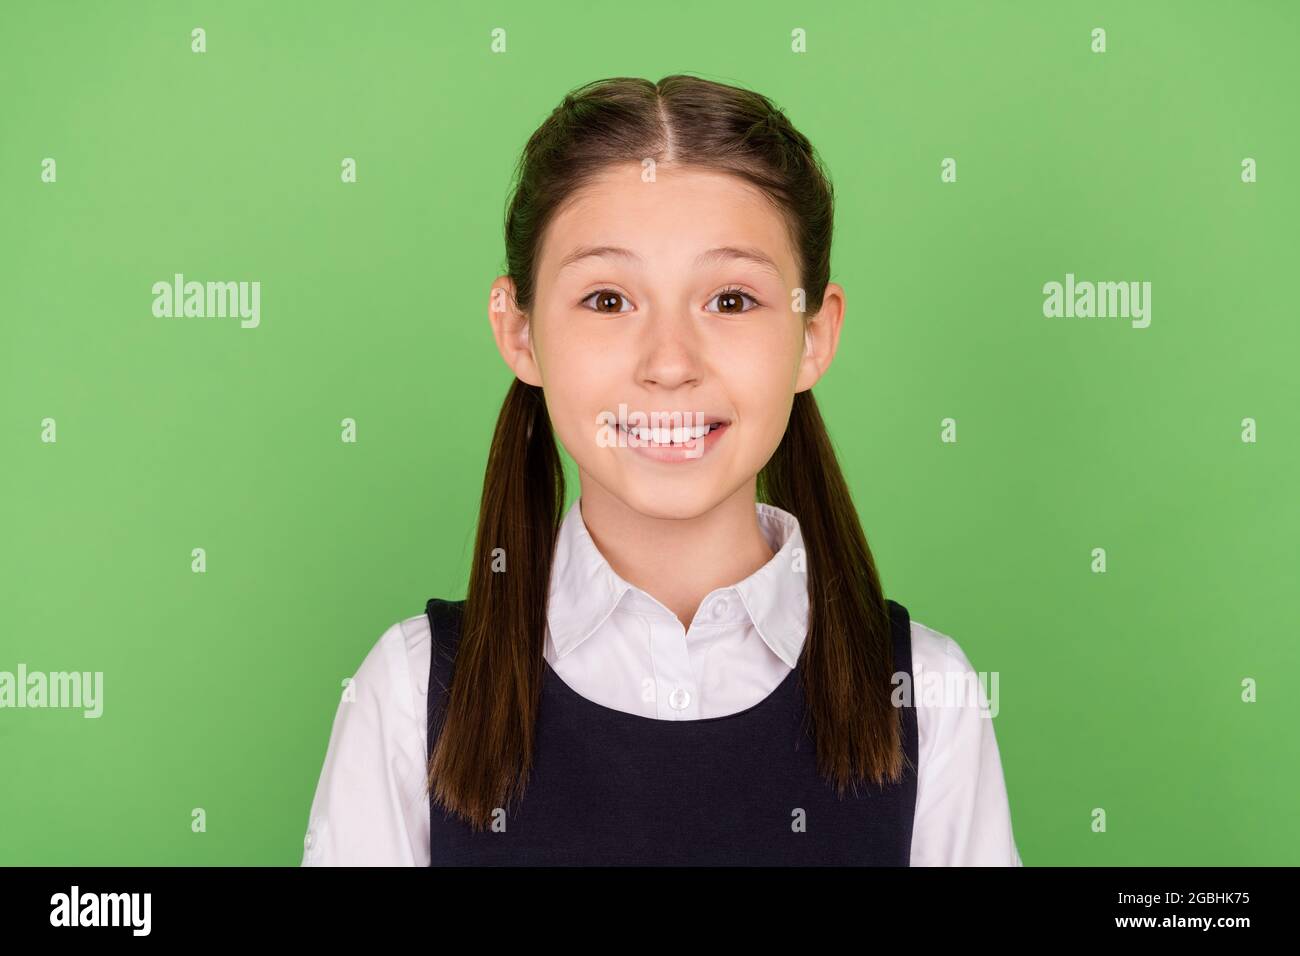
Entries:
{"x":679,"y":698}
{"x":720,"y":608}
{"x":306,"y":842}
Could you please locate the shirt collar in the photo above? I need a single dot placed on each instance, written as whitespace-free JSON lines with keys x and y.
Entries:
{"x":585,"y":590}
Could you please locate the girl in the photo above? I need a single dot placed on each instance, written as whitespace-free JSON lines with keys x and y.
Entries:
{"x":694,"y":662}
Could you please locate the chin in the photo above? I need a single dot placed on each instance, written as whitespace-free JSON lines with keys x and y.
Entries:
{"x":669,"y":499}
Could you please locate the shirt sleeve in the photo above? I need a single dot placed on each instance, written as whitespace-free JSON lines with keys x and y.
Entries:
{"x":370,"y":808}
{"x":963,"y":816}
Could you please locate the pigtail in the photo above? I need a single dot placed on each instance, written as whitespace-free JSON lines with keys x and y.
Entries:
{"x":847,"y":660}
{"x":483,"y":753}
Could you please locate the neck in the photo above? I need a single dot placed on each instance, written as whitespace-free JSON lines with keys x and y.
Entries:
{"x":677,"y":561}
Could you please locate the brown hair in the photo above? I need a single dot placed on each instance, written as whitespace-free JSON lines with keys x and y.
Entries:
{"x":483,"y":753}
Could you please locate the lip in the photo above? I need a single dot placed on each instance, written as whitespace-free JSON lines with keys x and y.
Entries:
{"x":690,"y":416}
{"x":679,"y":454}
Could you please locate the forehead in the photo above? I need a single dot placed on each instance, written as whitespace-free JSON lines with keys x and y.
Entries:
{"x":683,"y":211}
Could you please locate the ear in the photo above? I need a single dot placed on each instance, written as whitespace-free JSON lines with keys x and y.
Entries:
{"x":513,"y":332}
{"x":821,"y":338}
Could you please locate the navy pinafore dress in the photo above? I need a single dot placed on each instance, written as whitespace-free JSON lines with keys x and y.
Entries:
{"x":610,"y":788}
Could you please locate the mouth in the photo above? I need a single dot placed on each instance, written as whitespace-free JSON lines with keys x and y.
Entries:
{"x":679,"y":437}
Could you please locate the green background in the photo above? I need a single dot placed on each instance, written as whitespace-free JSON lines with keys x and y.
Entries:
{"x":1118,"y":690}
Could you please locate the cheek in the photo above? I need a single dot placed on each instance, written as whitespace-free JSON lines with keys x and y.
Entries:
{"x":568,"y":407}
{"x":761,"y":383}
{"x":566,"y":348}
{"x":578,"y":390}
{"x":760,"y":370}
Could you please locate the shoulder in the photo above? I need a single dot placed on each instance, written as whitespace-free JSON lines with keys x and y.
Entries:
{"x":963,"y":815}
{"x":394,"y":674}
{"x":413,"y":634}
{"x":948,"y":693}
{"x":936,"y":651}
{"x":370,"y":806}
{"x":416,"y":643}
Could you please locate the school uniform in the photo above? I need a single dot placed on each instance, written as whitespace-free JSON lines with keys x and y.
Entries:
{"x":661,"y":745}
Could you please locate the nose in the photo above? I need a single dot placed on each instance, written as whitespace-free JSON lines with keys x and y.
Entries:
{"x":670,"y":352}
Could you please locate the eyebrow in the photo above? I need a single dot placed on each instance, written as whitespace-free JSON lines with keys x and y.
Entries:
{"x":720,"y":254}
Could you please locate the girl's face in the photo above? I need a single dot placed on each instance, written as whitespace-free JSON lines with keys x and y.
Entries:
{"x":672,"y":297}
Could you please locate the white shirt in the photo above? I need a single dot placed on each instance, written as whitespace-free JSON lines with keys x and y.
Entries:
{"x":618,"y":646}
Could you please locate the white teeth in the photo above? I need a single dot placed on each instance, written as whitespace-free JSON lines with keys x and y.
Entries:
{"x":669,"y":436}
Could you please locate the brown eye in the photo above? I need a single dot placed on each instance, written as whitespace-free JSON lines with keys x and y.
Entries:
{"x":607,"y":301}
{"x":731,"y":302}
